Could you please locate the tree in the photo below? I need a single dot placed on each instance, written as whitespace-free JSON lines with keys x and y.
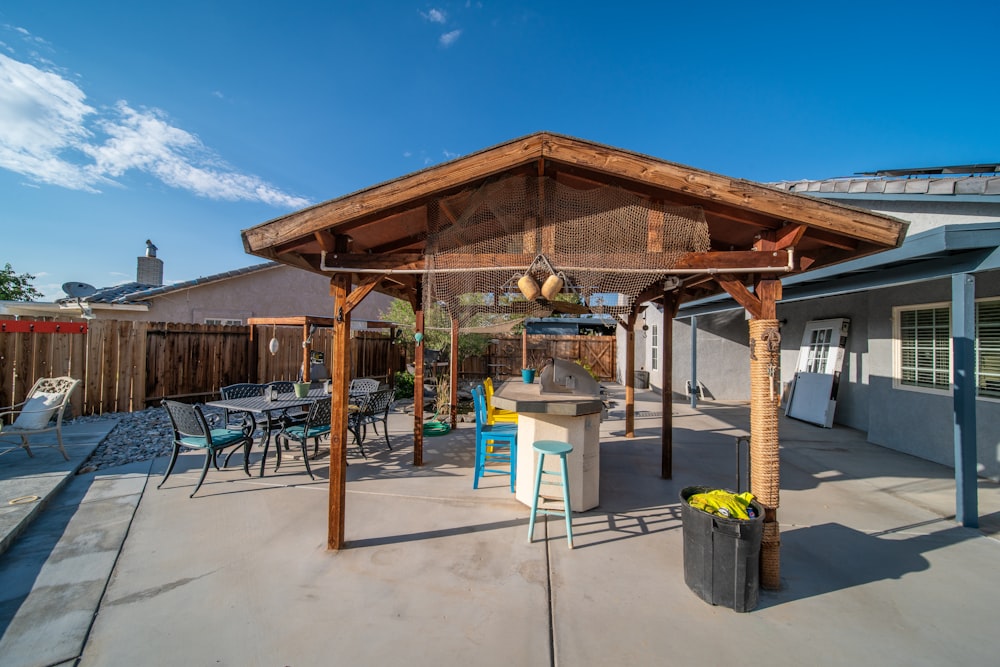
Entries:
{"x":15,"y":287}
{"x":437,"y":329}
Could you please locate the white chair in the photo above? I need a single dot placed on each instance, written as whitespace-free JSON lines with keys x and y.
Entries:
{"x":41,"y":412}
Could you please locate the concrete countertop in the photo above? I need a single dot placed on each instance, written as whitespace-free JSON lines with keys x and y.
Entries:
{"x":528,"y":398}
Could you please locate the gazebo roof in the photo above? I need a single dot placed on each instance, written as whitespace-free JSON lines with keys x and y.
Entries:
{"x":384,"y":228}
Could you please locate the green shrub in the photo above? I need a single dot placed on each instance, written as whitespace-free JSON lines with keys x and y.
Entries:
{"x":404,"y":384}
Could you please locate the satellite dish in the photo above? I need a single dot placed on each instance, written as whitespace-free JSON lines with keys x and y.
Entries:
{"x":78,"y":290}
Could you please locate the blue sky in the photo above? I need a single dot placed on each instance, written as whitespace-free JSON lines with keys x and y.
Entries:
{"x":186,"y":122}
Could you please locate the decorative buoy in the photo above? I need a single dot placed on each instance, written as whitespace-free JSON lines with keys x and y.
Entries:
{"x":273,"y":346}
{"x":528,"y":287}
{"x":552,"y":286}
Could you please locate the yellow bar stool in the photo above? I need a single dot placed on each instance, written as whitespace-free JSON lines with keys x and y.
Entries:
{"x":552,"y":448}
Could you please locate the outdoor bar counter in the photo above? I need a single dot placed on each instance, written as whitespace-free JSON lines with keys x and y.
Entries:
{"x":568,"y":417}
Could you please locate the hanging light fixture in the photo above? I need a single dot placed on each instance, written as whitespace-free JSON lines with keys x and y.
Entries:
{"x":273,"y":345}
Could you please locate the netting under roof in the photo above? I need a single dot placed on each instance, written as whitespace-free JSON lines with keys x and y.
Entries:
{"x":605,"y":245}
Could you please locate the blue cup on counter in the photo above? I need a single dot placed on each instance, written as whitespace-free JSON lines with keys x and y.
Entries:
{"x":528,"y":375}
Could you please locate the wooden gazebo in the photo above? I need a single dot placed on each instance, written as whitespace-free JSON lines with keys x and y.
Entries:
{"x":389,"y":238}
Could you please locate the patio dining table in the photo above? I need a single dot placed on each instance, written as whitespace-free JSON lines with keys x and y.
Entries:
{"x":260,"y":405}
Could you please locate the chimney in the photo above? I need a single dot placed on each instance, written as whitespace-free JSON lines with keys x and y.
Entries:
{"x":150,"y":269}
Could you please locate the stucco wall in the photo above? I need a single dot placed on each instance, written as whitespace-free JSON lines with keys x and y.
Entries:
{"x":723,"y":356}
{"x":907,"y":420}
{"x":924,"y":215}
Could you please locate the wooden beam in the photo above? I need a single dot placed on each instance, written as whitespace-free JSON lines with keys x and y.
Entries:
{"x":453,"y":375}
{"x":738,"y":193}
{"x":340,"y":378}
{"x":363,"y":290}
{"x":630,"y":371}
{"x":418,"y":381}
{"x":740,"y":294}
{"x":789,"y":236}
{"x":325,"y":239}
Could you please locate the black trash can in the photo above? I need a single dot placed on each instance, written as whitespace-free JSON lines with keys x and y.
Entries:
{"x":721,"y":556}
{"x":641,"y":380}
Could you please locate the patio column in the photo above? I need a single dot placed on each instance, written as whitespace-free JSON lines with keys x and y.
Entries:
{"x":671,"y":302}
{"x":963,"y":342}
{"x":453,"y":375}
{"x":418,"y":380}
{"x":630,"y":373}
{"x":340,"y":364}
{"x":765,"y":397}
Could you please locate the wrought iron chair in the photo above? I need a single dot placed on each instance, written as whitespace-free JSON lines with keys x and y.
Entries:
{"x":236,"y":419}
{"x":290,"y":416}
{"x":316,"y":425}
{"x":363,"y":386}
{"x":372,"y":410}
{"x":495,"y":444}
{"x":192,"y":431}
{"x":41,"y":412}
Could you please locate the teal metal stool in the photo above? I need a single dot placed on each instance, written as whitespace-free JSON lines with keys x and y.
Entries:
{"x":560,"y":449}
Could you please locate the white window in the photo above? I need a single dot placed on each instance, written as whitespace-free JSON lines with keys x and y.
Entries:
{"x":223,"y":321}
{"x":988,"y":348}
{"x":654,"y":341}
{"x":924,"y":335}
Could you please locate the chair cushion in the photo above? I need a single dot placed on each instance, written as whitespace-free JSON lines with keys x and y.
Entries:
{"x":220,"y":438}
{"x":37,"y":411}
{"x":295,"y":432}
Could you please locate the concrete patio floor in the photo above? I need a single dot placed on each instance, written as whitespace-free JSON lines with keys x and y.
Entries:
{"x":874,"y":569}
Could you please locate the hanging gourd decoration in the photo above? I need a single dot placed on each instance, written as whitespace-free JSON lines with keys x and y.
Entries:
{"x":552,"y":286}
{"x":273,"y":345}
{"x":528,"y":287}
{"x":418,"y":337}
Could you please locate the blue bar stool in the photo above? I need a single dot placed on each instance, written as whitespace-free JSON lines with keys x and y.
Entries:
{"x":560,"y":449}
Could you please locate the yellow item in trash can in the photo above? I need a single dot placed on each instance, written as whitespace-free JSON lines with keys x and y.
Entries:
{"x":724,"y":503}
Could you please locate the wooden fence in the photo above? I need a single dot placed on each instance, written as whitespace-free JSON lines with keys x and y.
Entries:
{"x":128,"y":366}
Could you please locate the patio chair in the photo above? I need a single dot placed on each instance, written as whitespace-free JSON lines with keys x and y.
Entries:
{"x":316,"y":424}
{"x":41,"y":412}
{"x":235,"y":419}
{"x":291,"y":416}
{"x":374,"y":409}
{"x":496,"y":415}
{"x":495,"y":444}
{"x":363,"y":386}
{"x":192,"y":431}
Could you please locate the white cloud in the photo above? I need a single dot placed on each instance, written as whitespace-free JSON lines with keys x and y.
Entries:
{"x":449,"y":38}
{"x":448,"y":154}
{"x":435,"y":16}
{"x":49,"y":133}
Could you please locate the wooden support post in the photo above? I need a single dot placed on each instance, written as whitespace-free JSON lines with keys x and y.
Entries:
{"x":630,"y":373}
{"x":340,"y":288}
{"x":453,"y":375}
{"x":765,"y":456}
{"x":306,"y":349}
{"x":671,"y":302}
{"x":418,"y":383}
{"x":524,"y":347}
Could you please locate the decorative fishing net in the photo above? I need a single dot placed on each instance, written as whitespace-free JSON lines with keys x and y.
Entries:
{"x":605,"y":245}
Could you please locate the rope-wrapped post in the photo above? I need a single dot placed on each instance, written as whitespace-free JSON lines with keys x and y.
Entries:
{"x":765,"y":355}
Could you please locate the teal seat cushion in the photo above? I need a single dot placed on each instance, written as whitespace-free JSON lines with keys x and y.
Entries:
{"x":295,"y":432}
{"x":220,"y":438}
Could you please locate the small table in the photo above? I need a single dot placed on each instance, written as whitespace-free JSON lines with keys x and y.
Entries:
{"x":259,"y":405}
{"x":571,"y":418}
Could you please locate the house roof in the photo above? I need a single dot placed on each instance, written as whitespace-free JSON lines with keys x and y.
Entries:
{"x":384,"y":229}
{"x":134,"y":293}
{"x":936,"y":253}
{"x":900,"y":184}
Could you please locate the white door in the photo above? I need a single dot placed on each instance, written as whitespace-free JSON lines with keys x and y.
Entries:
{"x":817,"y":375}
